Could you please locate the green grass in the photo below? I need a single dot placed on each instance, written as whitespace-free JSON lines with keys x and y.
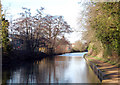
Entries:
{"x":89,"y":58}
{"x":102,"y":59}
{"x":111,"y":62}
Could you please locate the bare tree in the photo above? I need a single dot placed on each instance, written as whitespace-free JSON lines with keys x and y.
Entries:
{"x":40,"y":29}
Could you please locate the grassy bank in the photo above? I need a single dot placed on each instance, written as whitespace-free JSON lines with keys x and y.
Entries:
{"x":108,"y":68}
{"x":91,"y":58}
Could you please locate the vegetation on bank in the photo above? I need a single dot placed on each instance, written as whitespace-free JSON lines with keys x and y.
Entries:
{"x":102,"y":30}
{"x":5,"y":40}
{"x":33,"y":35}
{"x":102,"y":59}
{"x":78,"y":46}
{"x":5,"y":43}
{"x":108,"y":69}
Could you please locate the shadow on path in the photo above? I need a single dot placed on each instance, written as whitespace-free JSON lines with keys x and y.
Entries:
{"x":111,"y":72}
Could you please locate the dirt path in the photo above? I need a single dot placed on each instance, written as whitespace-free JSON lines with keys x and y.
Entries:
{"x":112,"y":72}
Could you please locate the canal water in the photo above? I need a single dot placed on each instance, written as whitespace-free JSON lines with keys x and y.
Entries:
{"x":66,"y":68}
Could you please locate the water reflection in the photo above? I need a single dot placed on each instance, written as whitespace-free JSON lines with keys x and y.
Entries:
{"x":58,"y":69}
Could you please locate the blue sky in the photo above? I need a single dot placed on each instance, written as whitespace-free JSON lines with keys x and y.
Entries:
{"x":70,"y":9}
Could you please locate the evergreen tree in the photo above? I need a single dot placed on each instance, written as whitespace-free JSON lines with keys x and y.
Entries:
{"x":4,"y":33}
{"x":5,"y":40}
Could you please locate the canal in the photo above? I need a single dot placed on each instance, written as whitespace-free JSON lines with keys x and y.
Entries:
{"x":66,"y":68}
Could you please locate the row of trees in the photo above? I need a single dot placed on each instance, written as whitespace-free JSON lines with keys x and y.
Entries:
{"x":39,"y":29}
{"x":103,"y":28}
{"x":79,"y":46}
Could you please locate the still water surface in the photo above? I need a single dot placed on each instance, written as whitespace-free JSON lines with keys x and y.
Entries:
{"x":66,"y":68}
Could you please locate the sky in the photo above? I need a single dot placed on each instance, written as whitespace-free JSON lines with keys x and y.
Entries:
{"x":70,"y":9}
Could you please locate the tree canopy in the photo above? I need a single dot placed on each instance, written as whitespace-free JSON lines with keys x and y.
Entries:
{"x":40,"y":28}
{"x":102,"y":27}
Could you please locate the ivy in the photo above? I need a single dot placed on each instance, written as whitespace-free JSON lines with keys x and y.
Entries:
{"x":105,"y":22}
{"x":5,"y":40}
